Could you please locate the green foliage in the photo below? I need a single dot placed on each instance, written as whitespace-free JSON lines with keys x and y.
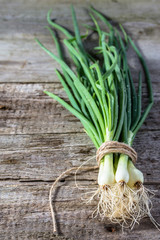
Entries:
{"x":101,"y":93}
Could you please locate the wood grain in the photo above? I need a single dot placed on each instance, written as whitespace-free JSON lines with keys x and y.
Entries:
{"x":39,"y":139}
{"x":44,"y":157}
{"x":35,"y":219}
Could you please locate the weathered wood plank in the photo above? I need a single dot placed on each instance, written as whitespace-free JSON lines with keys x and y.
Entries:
{"x":25,"y":109}
{"x":39,"y":139}
{"x":32,"y":219}
{"x":24,"y":61}
{"x":124,"y":10}
{"x":21,"y":58}
{"x":44,"y":157}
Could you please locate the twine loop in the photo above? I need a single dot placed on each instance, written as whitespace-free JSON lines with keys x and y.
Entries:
{"x":106,"y":148}
{"x":115,"y":147}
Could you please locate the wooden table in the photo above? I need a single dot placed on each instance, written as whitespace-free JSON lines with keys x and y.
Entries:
{"x":40,"y":139}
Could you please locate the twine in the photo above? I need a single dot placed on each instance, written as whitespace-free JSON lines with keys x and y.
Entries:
{"x":115,"y":147}
{"x":53,"y":186}
{"x":106,"y":148}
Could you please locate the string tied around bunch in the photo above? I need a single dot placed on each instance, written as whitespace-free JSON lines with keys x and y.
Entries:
{"x":115,"y":147}
{"x":106,"y":148}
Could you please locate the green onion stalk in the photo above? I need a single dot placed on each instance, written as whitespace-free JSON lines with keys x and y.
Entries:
{"x":102,"y":95}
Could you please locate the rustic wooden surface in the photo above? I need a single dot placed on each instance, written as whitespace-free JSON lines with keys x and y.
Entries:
{"x":39,"y":139}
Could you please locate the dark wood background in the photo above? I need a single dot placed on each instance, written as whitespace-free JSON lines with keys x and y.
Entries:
{"x":39,"y":139}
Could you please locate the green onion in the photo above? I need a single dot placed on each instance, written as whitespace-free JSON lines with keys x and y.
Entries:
{"x":102,"y":95}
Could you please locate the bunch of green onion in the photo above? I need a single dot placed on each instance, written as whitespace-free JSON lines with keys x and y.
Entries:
{"x":103,"y":96}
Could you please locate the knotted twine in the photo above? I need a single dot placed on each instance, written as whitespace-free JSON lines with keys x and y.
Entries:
{"x":115,"y":147}
{"x":106,"y":148}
